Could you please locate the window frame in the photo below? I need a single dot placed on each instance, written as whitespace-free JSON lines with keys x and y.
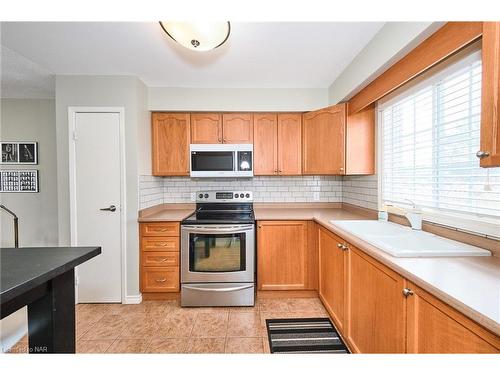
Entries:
{"x":485,"y":226}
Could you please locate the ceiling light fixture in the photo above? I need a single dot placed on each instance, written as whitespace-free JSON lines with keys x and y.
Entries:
{"x":197,"y":36}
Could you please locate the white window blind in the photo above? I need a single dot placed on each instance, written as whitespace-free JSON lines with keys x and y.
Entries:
{"x":430,"y":135}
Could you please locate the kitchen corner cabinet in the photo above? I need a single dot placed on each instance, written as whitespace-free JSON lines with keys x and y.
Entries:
{"x":333,"y":275}
{"x":282,"y":255}
{"x":490,"y":96}
{"x":237,"y":128}
{"x":277,"y":144}
{"x":159,"y":257}
{"x":376,"y":320}
{"x":206,"y":128}
{"x":334,"y":143}
{"x":170,"y":144}
{"x":434,"y":327}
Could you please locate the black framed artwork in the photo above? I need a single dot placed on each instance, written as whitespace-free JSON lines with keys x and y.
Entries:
{"x":19,"y":181}
{"x":19,"y":153}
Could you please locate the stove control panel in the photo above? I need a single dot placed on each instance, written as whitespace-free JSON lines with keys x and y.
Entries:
{"x":224,"y":196}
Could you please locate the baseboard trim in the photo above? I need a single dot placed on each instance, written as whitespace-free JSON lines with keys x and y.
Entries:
{"x":287,"y":294}
{"x":133,"y":300}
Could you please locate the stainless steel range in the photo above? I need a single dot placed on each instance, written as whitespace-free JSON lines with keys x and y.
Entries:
{"x":218,"y":251}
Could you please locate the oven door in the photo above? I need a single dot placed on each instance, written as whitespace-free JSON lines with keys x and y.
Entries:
{"x":217,"y":253}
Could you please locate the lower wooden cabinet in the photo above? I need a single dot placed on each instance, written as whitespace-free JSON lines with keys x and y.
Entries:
{"x":333,"y":275}
{"x":282,"y":255}
{"x":376,"y":321}
{"x":159,"y":257}
{"x":434,"y":327}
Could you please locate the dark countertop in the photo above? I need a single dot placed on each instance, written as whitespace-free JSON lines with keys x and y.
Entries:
{"x":25,"y":268}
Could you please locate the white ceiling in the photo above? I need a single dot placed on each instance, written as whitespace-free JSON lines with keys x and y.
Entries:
{"x":276,"y":54}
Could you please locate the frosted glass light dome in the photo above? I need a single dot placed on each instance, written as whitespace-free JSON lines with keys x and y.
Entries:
{"x":197,"y":36}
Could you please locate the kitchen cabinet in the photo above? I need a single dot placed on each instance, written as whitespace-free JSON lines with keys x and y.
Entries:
{"x":237,"y":128}
{"x":159,"y":257}
{"x":376,"y":321}
{"x":282,"y":255}
{"x":333,"y":275}
{"x":323,"y":141}
{"x":490,"y":96}
{"x":170,"y":144}
{"x":434,"y":327}
{"x":265,"y":144}
{"x":206,"y":128}
{"x":277,"y":144}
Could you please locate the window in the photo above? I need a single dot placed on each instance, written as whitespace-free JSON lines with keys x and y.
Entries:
{"x":429,"y":137}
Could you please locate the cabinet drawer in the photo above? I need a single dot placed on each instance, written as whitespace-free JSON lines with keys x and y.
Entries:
{"x":160,"y":279}
{"x":160,"y":258}
{"x":160,"y":244}
{"x":160,"y":229}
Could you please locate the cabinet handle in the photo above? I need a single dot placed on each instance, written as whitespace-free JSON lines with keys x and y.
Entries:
{"x":224,"y":140}
{"x":260,"y":226}
{"x":407,"y":292}
{"x":280,"y":171}
{"x":482,"y":154}
{"x":344,"y":248}
{"x":161,"y":280}
{"x":339,"y":245}
{"x":220,"y":140}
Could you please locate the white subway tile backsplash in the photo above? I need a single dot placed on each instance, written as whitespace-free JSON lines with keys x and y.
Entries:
{"x":358,"y":190}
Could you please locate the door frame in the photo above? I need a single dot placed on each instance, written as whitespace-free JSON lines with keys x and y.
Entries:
{"x":72,"y":111}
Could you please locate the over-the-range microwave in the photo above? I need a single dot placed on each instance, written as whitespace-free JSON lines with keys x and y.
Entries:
{"x":221,"y":160}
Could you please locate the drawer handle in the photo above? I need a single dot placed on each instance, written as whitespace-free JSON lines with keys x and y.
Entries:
{"x":161,"y":280}
{"x":164,"y":244}
{"x":164,"y":260}
{"x":162,"y":229}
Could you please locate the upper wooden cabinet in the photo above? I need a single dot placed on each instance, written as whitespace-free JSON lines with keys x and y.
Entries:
{"x":434,"y":327}
{"x":490,"y":96}
{"x":206,"y":128}
{"x":237,"y":128}
{"x":277,"y":144}
{"x":323,"y":141}
{"x":376,"y":306}
{"x":265,"y":144}
{"x":170,"y":144}
{"x":282,"y":255}
{"x":333,"y":276}
{"x":337,"y":144}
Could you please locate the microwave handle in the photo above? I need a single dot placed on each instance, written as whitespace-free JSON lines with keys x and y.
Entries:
{"x":201,"y":229}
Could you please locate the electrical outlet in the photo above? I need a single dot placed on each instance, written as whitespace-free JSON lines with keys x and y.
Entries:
{"x":316,"y":196}
{"x":193,"y":197}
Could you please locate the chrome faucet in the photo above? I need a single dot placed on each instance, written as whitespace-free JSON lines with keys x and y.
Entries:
{"x":414,"y":216}
{"x":16,"y":224}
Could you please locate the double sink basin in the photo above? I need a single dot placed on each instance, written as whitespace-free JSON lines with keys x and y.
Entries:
{"x":400,"y":241}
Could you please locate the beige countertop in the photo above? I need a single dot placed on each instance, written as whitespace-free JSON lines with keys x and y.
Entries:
{"x":469,"y":284}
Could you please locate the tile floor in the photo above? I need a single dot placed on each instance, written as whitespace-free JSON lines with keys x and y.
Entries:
{"x":165,"y":327}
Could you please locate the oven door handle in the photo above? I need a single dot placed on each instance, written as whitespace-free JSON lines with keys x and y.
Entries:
{"x":228,"y":289}
{"x":216,"y":230}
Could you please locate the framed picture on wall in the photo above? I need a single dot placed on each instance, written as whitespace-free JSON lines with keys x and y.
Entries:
{"x":19,"y":152}
{"x":19,"y":181}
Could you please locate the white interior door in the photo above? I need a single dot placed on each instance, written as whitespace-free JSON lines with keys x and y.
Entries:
{"x":97,"y":188}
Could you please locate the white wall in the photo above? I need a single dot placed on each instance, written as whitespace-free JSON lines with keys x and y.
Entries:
{"x":103,"y":91}
{"x":29,"y":120}
{"x":392,"y":42}
{"x":231,"y":99}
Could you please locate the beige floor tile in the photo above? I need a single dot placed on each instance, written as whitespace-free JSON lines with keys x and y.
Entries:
{"x":93,"y":346}
{"x":109,"y":327}
{"x":271,"y":315}
{"x":305,"y":304}
{"x":244,"y":325}
{"x":141,"y":326}
{"x":244,"y":309}
{"x":206,"y":345}
{"x":212,"y":324}
{"x":174,"y":345}
{"x":205,"y":310}
{"x":128,"y":346}
{"x":244,"y":345}
{"x":265,"y":345}
{"x":176,"y":324}
{"x":273,"y":305}
{"x":19,"y":348}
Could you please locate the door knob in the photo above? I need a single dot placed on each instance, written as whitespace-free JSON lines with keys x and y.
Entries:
{"x":111,"y":208}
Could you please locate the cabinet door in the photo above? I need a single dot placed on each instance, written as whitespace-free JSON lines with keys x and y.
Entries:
{"x":237,"y":128}
{"x":170,"y":144}
{"x":434,"y":327}
{"x":323,"y":141}
{"x":265,"y":144}
{"x":376,"y":306}
{"x":289,"y":144}
{"x":332,"y":276}
{"x":206,"y":128}
{"x":360,"y":142}
{"x":281,"y":255}
{"x":490,"y":95}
